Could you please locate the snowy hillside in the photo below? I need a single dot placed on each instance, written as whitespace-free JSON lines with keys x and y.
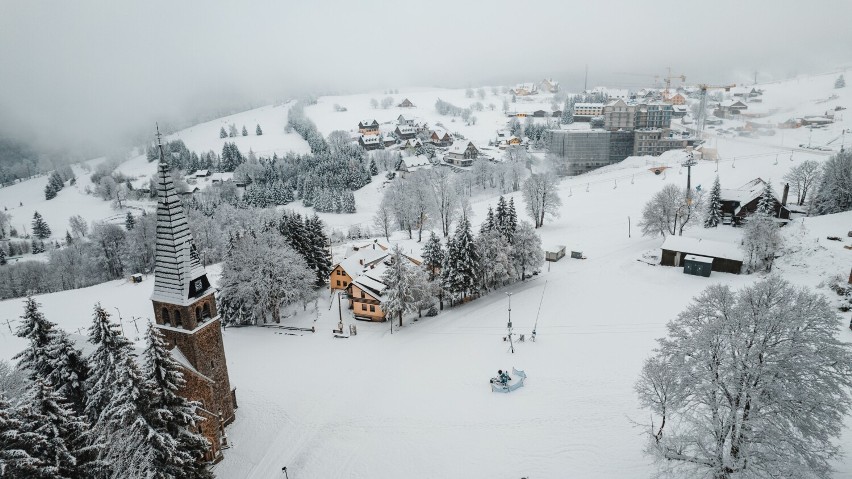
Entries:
{"x":417,"y":403}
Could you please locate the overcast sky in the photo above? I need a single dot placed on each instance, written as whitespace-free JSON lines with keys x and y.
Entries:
{"x":100,"y":71}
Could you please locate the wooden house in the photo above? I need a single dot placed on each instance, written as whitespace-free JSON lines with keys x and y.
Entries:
{"x":405,"y":120}
{"x":411,"y":143}
{"x":368,"y":127}
{"x":724,"y":257}
{"x":405,"y":132}
{"x":370,"y":142}
{"x":406,"y":104}
{"x":462,"y":153}
{"x":525,"y":89}
{"x":540,"y":114}
{"x":741,"y":202}
{"x":441,"y":138}
{"x":358,"y":259}
{"x":388,"y":140}
{"x":549,"y":85}
{"x":410,"y":164}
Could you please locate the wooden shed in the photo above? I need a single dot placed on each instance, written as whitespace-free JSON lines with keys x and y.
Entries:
{"x":727,"y":257}
{"x":554,"y":252}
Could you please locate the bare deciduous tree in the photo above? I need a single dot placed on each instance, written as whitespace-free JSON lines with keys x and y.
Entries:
{"x":541,"y":198}
{"x":802,"y":178}
{"x":670,"y":211}
{"x":749,"y":384}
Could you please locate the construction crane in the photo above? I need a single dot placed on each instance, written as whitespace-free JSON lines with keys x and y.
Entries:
{"x":669,"y":77}
{"x":702,"y":109}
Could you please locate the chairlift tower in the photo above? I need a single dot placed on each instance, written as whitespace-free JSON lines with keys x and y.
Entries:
{"x":689,"y":163}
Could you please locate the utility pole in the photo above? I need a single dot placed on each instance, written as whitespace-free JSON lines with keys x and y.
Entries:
{"x":690,"y":162}
{"x":511,"y":344}
{"x":586,"y":80}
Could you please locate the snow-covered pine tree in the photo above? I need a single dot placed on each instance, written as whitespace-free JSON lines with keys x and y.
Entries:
{"x":714,"y":206}
{"x":433,"y":255}
{"x":244,"y":132}
{"x":258,"y":131}
{"x":500,"y":213}
{"x":223,"y":133}
{"x":347,"y":202}
{"x":373,"y":169}
{"x":49,"y":191}
{"x":21,"y":447}
{"x":766,"y":204}
{"x":68,"y":239}
{"x":399,"y":297}
{"x":466,"y":261}
{"x":40,"y":228}
{"x":511,"y":223}
{"x":527,"y":252}
{"x":489,"y":223}
{"x":840,"y":82}
{"x":39,"y":332}
{"x":319,"y":256}
{"x":129,"y":221}
{"x":37,"y":246}
{"x":3,"y":260}
{"x":568,"y":113}
{"x":177,"y":446}
{"x":118,"y":402}
{"x":67,"y":448}
{"x":448,"y":270}
{"x":69,"y":370}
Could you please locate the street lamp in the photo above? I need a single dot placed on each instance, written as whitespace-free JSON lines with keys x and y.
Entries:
{"x":284,"y":470}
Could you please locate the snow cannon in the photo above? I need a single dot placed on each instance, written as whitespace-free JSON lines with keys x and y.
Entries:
{"x":506,"y":383}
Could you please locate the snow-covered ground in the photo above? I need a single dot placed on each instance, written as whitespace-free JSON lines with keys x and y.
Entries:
{"x":417,"y":403}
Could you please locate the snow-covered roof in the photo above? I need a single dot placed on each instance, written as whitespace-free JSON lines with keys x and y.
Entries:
{"x":200,"y":173}
{"x":440,"y":133}
{"x":224,"y":176}
{"x":370,"y":139}
{"x":417,"y":161}
{"x":406,"y":129}
{"x":404,"y":119}
{"x":696,"y":246}
{"x":700,"y":259}
{"x":367,"y":122}
{"x":460,"y":146}
{"x":412,"y":142}
{"x":744,"y":194}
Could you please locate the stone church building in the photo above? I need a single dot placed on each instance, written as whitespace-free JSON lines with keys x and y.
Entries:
{"x":186,"y":315}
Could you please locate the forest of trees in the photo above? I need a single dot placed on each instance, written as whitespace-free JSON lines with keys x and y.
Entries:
{"x":107,"y":415}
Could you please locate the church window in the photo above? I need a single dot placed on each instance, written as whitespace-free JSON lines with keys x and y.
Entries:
{"x":166,"y":317}
{"x":206,"y":314}
{"x":178,"y":321}
{"x":198,"y":313}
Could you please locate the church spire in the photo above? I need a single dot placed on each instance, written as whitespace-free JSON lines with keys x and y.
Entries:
{"x":178,"y":274}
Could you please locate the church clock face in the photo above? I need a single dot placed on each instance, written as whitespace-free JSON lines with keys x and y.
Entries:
{"x":198,"y":285}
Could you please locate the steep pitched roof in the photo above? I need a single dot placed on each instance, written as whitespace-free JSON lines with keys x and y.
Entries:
{"x":177,"y":263}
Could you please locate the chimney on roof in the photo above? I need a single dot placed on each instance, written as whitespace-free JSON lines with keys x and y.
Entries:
{"x":786,"y":192}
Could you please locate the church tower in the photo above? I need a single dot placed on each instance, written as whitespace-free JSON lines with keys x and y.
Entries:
{"x":186,"y":314}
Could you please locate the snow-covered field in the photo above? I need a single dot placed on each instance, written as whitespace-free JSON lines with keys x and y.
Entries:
{"x":417,"y":403}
